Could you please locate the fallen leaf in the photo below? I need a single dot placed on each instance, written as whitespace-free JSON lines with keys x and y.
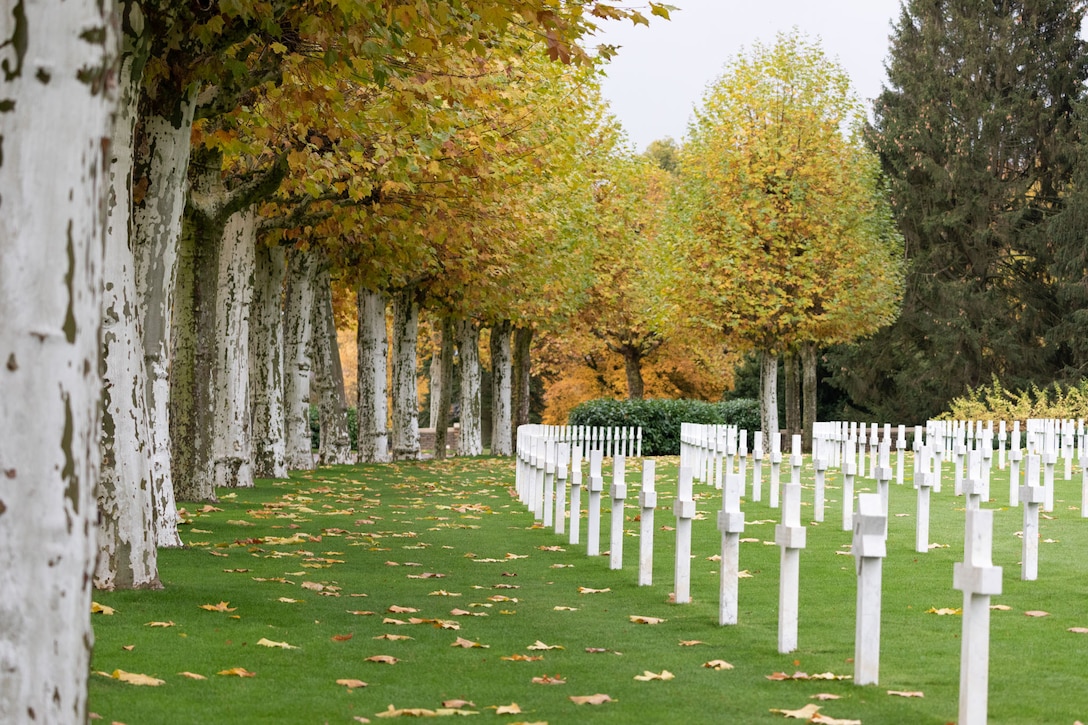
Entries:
{"x":549,"y":680}
{"x":160,"y":624}
{"x":407,"y":712}
{"x":807,"y":712}
{"x":468,"y":644}
{"x":538,"y":645}
{"x":647,"y":676}
{"x":457,"y":704}
{"x":285,"y":600}
{"x":383,"y":659}
{"x":825,"y":720}
{"x":465,"y":613}
{"x":522,"y":658}
{"x":560,"y":608}
{"x":511,"y":709}
{"x":401,"y":610}
{"x":237,"y":672}
{"x":718,"y":665}
{"x":744,"y":574}
{"x":312,"y":586}
{"x":638,"y":619}
{"x":221,"y":607}
{"x":351,"y":684}
{"x":777,"y":676}
{"x":1079,"y":630}
{"x":1036,"y":613}
{"x":826,"y":696}
{"x":904,"y":693}
{"x":598,"y":699}
{"x":361,"y":612}
{"x":269,"y":643}
{"x":134,"y":678}
{"x":587,"y":590}
{"x":342,"y":637}
{"x":1000,"y":607}
{"x":944,"y":610}
{"x":97,"y":608}
{"x":690,"y":642}
{"x":192,"y":675}
{"x":444,"y":593}
{"x":824,"y":676}
{"x":393,"y":637}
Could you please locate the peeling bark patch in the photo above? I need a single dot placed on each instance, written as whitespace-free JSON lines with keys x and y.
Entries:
{"x":68,"y":473}
{"x":11,"y":364}
{"x":70,"y":317}
{"x":3,"y":507}
{"x":43,"y":76}
{"x":10,"y":473}
{"x":18,"y":42}
{"x":7,"y":105}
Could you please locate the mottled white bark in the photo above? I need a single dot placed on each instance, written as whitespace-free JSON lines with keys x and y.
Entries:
{"x":232,"y":445}
{"x":434,"y":374}
{"x":441,"y":420}
{"x":405,"y":388}
{"x":335,"y":441}
{"x":373,"y":348}
{"x":297,"y":334}
{"x":56,"y":101}
{"x":266,"y":363}
{"x":127,"y":552}
{"x":768,"y":391}
{"x":470,"y":442}
{"x":161,"y":165}
{"x":501,"y":443}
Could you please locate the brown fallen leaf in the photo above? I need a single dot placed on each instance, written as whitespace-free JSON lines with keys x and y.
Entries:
{"x":458,"y":704}
{"x":390,"y":620}
{"x":134,"y":678}
{"x":549,"y":680}
{"x":1000,"y":607}
{"x":905,"y":693}
{"x":468,"y":644}
{"x":826,"y":696}
{"x":647,"y":676}
{"x":269,"y":643}
{"x":342,"y":637}
{"x":160,"y":624}
{"x":1078,"y":630}
{"x":777,"y":676}
{"x":128,"y":647}
{"x":313,"y":586}
{"x":285,"y":600}
{"x":237,"y":672}
{"x":465,"y":613}
{"x":221,"y":607}
{"x":511,"y":709}
{"x":97,"y":608}
{"x":383,"y":659}
{"x":407,"y":712}
{"x":393,"y":637}
{"x":192,"y":675}
{"x":394,"y":609}
{"x":1036,"y":613}
{"x":638,"y":619}
{"x":690,"y":642}
{"x":351,"y":684}
{"x":522,"y":658}
{"x":444,"y":593}
{"x":718,"y":665}
{"x":360,"y":612}
{"x":598,"y":699}
{"x":826,"y":720}
{"x":587,"y":590}
{"x":538,"y":645}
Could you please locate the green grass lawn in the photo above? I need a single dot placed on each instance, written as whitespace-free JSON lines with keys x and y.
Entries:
{"x":335,"y":561}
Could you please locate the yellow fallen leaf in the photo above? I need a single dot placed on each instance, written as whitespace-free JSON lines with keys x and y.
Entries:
{"x":394,"y":609}
{"x":904,"y":693}
{"x":690,"y":642}
{"x":825,"y":676}
{"x":221,"y":607}
{"x":598,"y":699}
{"x":269,"y":643}
{"x":587,"y":590}
{"x":458,"y":703}
{"x":522,"y":658}
{"x":638,"y":619}
{"x":351,"y":684}
{"x":517,"y":556}
{"x":511,"y":709}
{"x":1036,"y":613}
{"x":647,"y":676}
{"x":128,"y":647}
{"x":160,"y":624}
{"x":237,"y":672}
{"x":192,"y":675}
{"x":468,"y":644}
{"x":383,"y":659}
{"x":1078,"y":630}
{"x":561,"y":608}
{"x":825,"y":720}
{"x":312,"y":586}
{"x":133,"y":678}
{"x":549,"y":680}
{"x":826,"y":696}
{"x":718,"y":665}
{"x":744,"y":574}
{"x":538,"y":645}
{"x":807,"y":712}
{"x":1000,"y":607}
{"x":97,"y":608}
{"x":406,"y":712}
{"x":444,"y":593}
{"x":393,"y":637}
{"x":360,"y":612}
{"x":944,"y":610}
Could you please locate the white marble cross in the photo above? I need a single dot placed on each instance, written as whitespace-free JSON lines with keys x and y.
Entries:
{"x":757,"y":467}
{"x":900,"y":447}
{"x":923,"y":479}
{"x":546,"y":511}
{"x":818,"y":490}
{"x":776,"y":467}
{"x":849,"y":469}
{"x":869,"y":548}
{"x":731,"y":525}
{"x":596,"y":485}
{"x":562,"y":453}
{"x":1014,"y":476}
{"x":978,"y":579}
{"x":647,"y":501}
{"x":790,"y":537}
{"x":619,"y":495}
{"x":883,"y":474}
{"x":1031,"y":496}
{"x":684,"y":508}
{"x":576,"y":493}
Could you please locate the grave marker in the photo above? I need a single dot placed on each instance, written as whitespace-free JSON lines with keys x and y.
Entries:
{"x":978,"y":579}
{"x":776,"y":466}
{"x":900,"y":448}
{"x":619,"y":494}
{"x":562,"y":456}
{"x":731,"y":525}
{"x":923,"y":479}
{"x":647,"y":501}
{"x":869,"y":549}
{"x":576,"y":494}
{"x":545,"y":512}
{"x":848,"y":470}
{"x":1031,"y":496}
{"x":757,"y":467}
{"x":790,"y":537}
{"x":684,"y":508}
{"x":596,"y":485}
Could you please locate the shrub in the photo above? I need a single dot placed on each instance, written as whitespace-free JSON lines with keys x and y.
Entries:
{"x":315,"y":427}
{"x":660,"y":419}
{"x":994,"y":402}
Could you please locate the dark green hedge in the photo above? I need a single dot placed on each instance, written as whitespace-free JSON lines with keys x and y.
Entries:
{"x":661,"y":419}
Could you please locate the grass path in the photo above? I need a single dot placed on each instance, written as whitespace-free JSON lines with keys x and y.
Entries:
{"x":409,"y":561}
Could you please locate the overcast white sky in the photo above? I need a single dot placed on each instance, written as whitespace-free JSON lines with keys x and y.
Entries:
{"x":661,"y":71}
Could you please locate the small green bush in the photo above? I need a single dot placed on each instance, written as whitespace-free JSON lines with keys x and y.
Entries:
{"x":315,"y":427}
{"x":660,"y":419}
{"x":995,"y":402}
